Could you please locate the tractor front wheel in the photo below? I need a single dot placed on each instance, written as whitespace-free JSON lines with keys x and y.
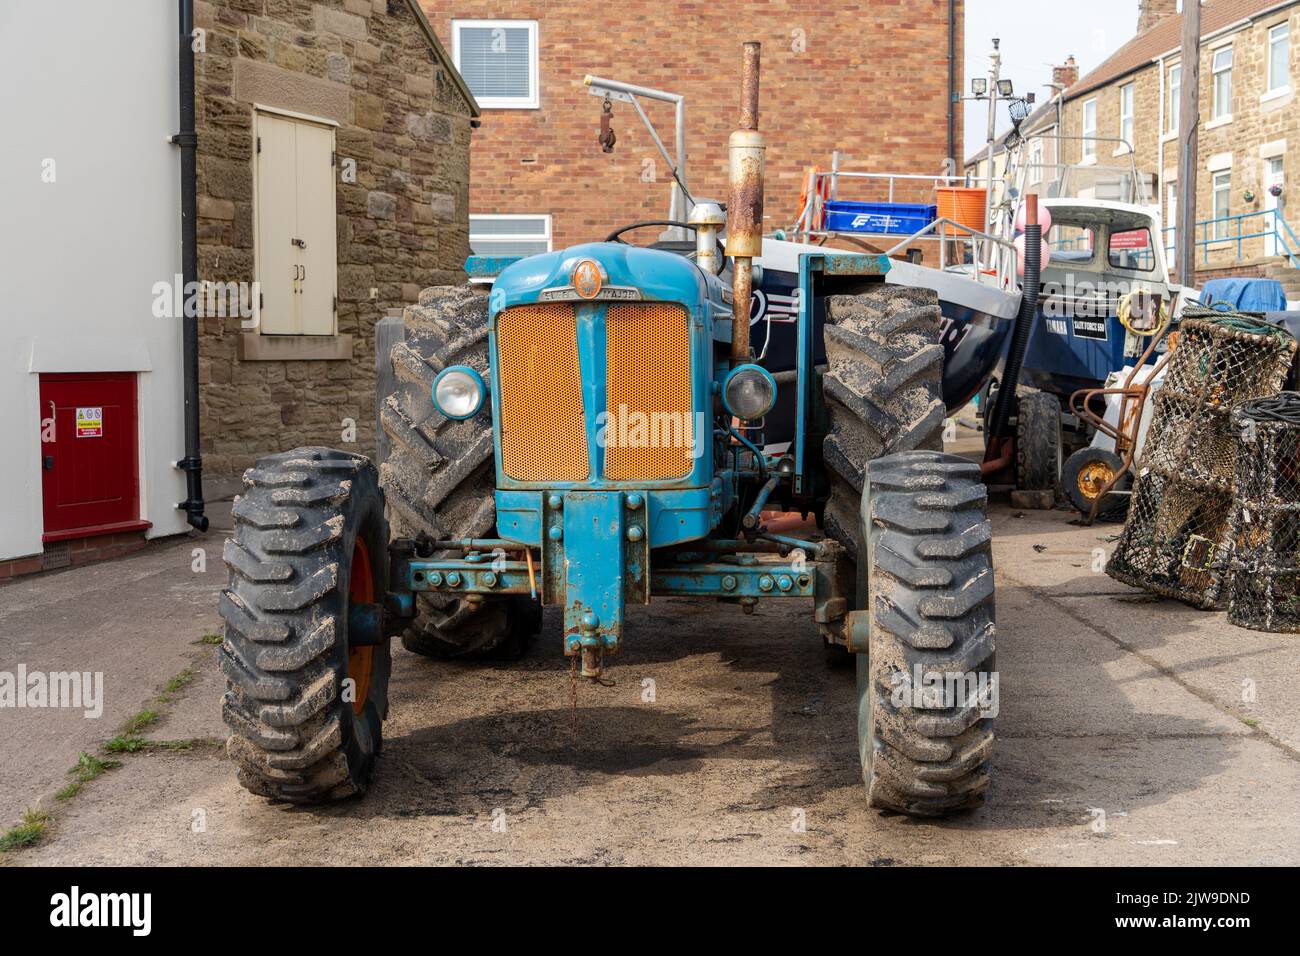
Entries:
{"x":927,"y":688}
{"x":305,"y":703}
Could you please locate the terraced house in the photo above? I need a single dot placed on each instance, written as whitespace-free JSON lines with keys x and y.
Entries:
{"x":1249,"y":137}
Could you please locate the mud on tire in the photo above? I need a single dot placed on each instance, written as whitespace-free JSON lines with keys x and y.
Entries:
{"x":927,"y":582}
{"x":439,"y":476}
{"x":882,"y":390}
{"x":309,"y":536}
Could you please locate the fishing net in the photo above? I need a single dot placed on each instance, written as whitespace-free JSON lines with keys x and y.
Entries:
{"x":1264,"y":587}
{"x":1176,"y":538}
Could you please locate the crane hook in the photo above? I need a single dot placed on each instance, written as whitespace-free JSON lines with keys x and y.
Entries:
{"x":607,"y":137}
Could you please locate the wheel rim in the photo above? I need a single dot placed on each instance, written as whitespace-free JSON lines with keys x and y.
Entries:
{"x":361,"y":589}
{"x":1093,"y":477}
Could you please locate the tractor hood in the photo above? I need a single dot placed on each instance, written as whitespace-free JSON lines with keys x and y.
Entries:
{"x":626,"y":274}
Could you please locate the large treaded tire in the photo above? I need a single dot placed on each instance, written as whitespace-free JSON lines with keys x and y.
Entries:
{"x":927,"y":583}
{"x":1038,"y":442}
{"x":883,"y":390}
{"x":297,"y":734}
{"x":439,"y":476}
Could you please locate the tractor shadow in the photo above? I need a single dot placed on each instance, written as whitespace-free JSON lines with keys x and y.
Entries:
{"x":1082,"y":723}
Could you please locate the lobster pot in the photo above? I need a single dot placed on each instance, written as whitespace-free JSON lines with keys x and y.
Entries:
{"x":1177,"y":536}
{"x":1264,"y":587}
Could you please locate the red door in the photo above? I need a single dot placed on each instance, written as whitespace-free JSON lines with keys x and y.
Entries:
{"x":89,"y":463}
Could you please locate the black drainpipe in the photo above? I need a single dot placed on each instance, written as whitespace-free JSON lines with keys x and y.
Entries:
{"x":952,"y":85}
{"x":188,"y":140}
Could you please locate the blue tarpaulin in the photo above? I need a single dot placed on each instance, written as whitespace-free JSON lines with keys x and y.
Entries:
{"x":1246,"y":295}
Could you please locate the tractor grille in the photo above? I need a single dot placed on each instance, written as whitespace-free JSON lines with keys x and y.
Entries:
{"x":648,"y":428}
{"x":648,"y":431}
{"x":543,"y":435}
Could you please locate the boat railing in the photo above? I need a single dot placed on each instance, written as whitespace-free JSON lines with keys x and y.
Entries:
{"x":1089,"y":174}
{"x":992,"y":259}
{"x":828,"y":182}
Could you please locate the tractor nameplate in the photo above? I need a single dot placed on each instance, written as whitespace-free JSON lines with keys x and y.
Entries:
{"x":567,"y":293}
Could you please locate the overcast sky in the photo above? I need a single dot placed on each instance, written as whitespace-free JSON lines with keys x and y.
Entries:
{"x":1035,"y":35}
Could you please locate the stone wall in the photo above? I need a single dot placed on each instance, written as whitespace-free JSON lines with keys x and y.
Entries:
{"x":402,"y":225}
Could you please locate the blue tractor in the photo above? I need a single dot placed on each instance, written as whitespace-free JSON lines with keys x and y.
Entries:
{"x":591,"y":434}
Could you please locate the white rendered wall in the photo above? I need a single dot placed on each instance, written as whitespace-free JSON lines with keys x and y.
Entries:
{"x":91,"y":85}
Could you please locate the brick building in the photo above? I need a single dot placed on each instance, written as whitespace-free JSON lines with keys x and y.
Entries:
{"x":333,"y":170}
{"x":869,"y":78}
{"x":1249,"y":115}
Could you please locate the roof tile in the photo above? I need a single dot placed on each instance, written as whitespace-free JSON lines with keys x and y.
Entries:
{"x":1165,"y":36}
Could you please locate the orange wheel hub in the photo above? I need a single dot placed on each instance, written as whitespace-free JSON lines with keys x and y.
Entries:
{"x":1093,"y":478}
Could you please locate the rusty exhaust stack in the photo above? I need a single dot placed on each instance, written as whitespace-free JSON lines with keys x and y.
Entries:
{"x":745,"y":203}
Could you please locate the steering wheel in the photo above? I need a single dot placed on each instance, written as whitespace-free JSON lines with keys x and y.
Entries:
{"x":617,"y":234}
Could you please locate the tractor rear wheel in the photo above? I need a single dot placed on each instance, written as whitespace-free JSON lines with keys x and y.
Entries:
{"x":926,"y":582}
{"x":304,"y":704}
{"x":883,"y":390}
{"x":439,"y":477}
{"x":883,"y":394}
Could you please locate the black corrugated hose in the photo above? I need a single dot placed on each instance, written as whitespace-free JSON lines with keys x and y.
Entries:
{"x":1020,"y":335}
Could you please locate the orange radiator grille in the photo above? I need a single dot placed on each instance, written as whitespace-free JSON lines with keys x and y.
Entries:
{"x":648,"y":428}
{"x":543,"y":435}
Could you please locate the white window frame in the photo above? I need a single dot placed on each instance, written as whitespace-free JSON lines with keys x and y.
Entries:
{"x":1127,"y":91}
{"x":1036,"y":161}
{"x":1224,"y":177}
{"x":530,"y":102}
{"x":544,"y":217}
{"x":1174,"y":108}
{"x":1282,"y":30}
{"x":1089,"y":131}
{"x":1220,"y":112}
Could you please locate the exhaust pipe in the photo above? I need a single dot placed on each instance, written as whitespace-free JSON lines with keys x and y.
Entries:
{"x":745,"y":203}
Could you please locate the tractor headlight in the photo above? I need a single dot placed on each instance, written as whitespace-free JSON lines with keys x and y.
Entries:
{"x":749,"y":392}
{"x":458,"y":391}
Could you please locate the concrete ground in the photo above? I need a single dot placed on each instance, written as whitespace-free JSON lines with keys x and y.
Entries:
{"x":1133,"y":730}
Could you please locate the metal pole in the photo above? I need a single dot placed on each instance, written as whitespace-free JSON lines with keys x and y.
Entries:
{"x":1189,"y":118}
{"x":995,"y":73}
{"x":683,"y":202}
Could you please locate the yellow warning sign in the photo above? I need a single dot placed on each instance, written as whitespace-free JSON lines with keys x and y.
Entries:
{"x":90,"y":422}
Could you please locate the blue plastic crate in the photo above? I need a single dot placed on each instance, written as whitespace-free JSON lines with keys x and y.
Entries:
{"x":891,"y":218}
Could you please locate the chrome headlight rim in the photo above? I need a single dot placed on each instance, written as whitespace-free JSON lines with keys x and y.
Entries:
{"x":749,"y":370}
{"x":463,"y":375}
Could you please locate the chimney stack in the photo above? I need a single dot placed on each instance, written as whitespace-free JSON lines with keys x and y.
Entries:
{"x":1151,"y":12}
{"x":1065,"y":75}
